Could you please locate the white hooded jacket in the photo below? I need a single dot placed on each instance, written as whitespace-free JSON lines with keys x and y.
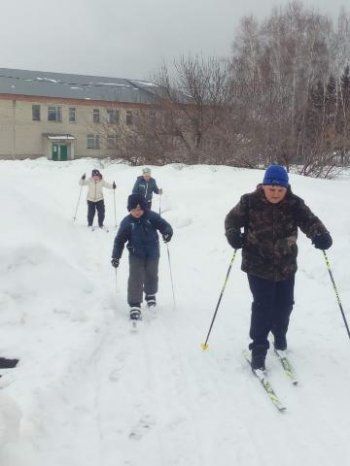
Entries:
{"x":95,"y":188}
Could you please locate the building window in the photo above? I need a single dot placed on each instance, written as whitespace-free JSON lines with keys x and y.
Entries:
{"x":96,"y":115}
{"x":54,"y":114}
{"x":129,"y":117}
{"x":93,"y":141}
{"x":113,"y":116}
{"x":72,"y":114}
{"x":112,"y":141}
{"x":36,"y":112}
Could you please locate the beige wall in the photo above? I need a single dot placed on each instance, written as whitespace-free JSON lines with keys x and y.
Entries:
{"x":21,"y":137}
{"x":7,"y":127}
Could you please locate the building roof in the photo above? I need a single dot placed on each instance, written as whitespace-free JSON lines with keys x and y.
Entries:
{"x":75,"y":86}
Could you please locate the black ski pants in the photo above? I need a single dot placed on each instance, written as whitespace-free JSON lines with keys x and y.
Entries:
{"x":271,"y":308}
{"x":92,"y":207}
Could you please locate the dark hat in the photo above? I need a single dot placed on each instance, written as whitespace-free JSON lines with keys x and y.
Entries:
{"x":276,"y":175}
{"x":136,"y":201}
{"x":96,"y":173}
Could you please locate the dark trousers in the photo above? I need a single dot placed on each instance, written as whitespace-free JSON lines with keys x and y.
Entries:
{"x":271,"y":309}
{"x":143,"y":277}
{"x":92,"y":207}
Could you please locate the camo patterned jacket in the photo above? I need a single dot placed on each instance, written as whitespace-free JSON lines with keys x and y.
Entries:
{"x":270,"y":232}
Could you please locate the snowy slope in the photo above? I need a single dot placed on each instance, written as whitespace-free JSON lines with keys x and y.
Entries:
{"x":89,"y":391}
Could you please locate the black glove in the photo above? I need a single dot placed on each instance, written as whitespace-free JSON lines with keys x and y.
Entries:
{"x":83,"y":177}
{"x":114,"y":185}
{"x":323,"y":241}
{"x":167,"y":237}
{"x":115,"y":262}
{"x":235,"y":238}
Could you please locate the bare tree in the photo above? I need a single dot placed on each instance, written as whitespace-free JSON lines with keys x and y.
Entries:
{"x":274,"y":68}
{"x":282,"y":97}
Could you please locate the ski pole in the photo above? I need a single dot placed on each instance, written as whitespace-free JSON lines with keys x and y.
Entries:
{"x":116,"y":280}
{"x":115,"y":209}
{"x":76,"y":209}
{"x":171,"y":275}
{"x":204,"y":345}
{"x":160,"y":204}
{"x":336,"y":291}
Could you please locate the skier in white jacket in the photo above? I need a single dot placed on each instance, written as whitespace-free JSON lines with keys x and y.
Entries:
{"x":95,"y":199}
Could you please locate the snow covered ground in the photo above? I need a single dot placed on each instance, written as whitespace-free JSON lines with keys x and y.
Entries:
{"x":90,"y":392}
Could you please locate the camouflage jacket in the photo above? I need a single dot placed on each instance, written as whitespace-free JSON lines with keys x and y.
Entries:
{"x":270,"y":232}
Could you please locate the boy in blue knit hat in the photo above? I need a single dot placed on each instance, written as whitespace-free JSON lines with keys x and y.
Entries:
{"x":270,"y":217}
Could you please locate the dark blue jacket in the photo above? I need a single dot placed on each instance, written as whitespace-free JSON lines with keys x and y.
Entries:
{"x":141,"y":234}
{"x":145,"y":188}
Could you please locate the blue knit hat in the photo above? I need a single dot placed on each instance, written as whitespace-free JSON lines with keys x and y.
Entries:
{"x":276,"y":175}
{"x":135,"y":200}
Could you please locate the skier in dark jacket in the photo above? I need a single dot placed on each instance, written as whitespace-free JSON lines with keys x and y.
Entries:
{"x":145,"y":185}
{"x":139,"y":228}
{"x":270,"y":217}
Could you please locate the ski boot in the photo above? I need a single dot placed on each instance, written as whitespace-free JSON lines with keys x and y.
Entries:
{"x":151,"y":300}
{"x":135,"y":313}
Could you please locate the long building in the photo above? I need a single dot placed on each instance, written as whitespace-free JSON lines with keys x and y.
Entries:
{"x":66,"y":116}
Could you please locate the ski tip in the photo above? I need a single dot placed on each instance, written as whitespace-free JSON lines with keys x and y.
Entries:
{"x":204,"y":346}
{"x":133,"y":327}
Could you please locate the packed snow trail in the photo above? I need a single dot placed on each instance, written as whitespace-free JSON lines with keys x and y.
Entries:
{"x":89,"y":391}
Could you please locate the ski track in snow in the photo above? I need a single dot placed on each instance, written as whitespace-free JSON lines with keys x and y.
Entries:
{"x":90,"y":391}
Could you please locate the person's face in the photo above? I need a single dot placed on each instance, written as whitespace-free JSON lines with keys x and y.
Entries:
{"x":274,"y":194}
{"x":136,"y":213}
{"x":96,"y":178}
{"x":147,"y":177}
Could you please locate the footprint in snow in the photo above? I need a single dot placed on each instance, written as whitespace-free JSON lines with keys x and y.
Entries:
{"x":115,"y":374}
{"x":143,"y":426}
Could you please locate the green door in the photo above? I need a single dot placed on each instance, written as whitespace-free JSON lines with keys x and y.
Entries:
{"x":54,"y":152}
{"x":63,"y":151}
{"x":59,"y":152}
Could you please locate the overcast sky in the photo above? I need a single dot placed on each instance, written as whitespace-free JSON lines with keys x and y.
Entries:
{"x":126,"y":39}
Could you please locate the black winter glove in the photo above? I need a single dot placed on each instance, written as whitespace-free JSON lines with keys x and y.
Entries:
{"x":83,"y":177}
{"x":167,"y":237}
{"x":115,"y":262}
{"x":114,"y":185}
{"x":323,"y":241}
{"x":235,"y":238}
